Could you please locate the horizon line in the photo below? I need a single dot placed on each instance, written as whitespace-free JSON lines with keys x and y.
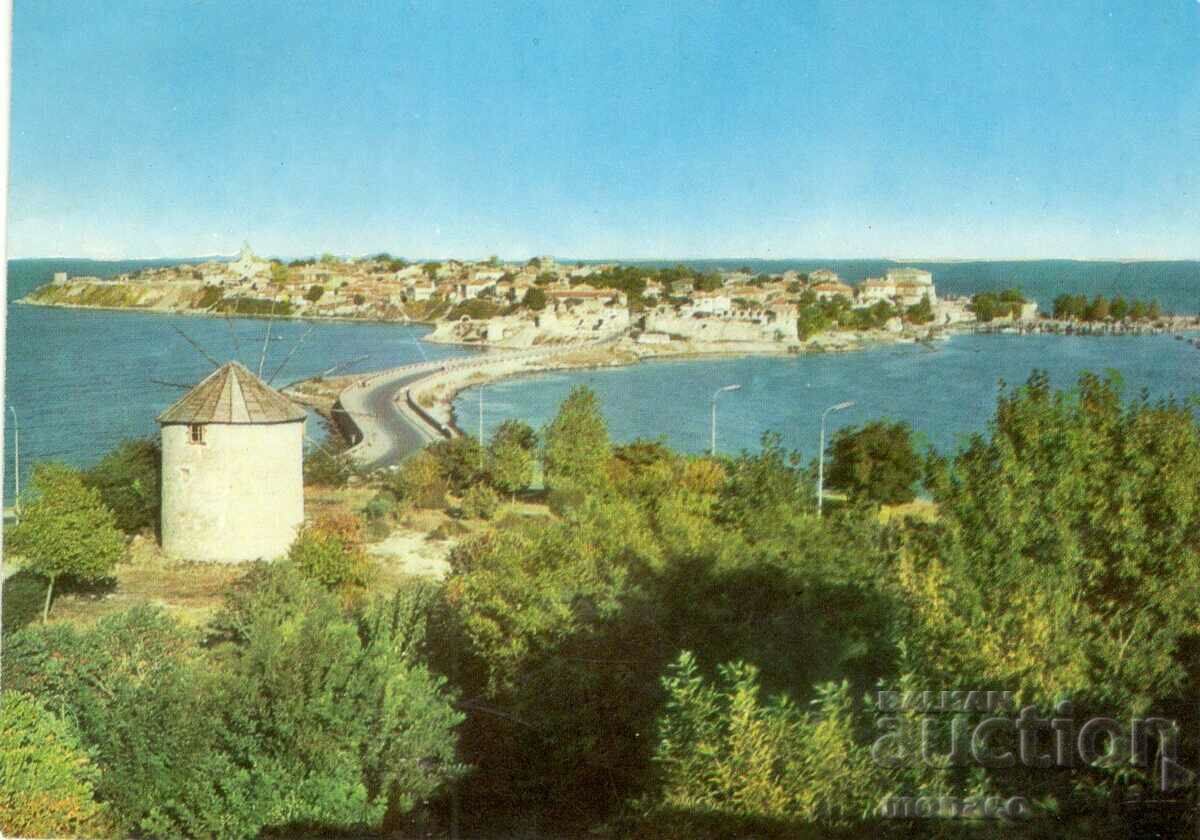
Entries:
{"x":676,"y":259}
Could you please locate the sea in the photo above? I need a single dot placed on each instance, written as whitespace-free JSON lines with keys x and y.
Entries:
{"x":77,"y":382}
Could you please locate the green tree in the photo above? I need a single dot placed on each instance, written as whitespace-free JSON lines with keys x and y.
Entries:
{"x":314,"y":293}
{"x":431,"y":269}
{"x":535,"y":299}
{"x":47,"y":780}
{"x":279,"y":273}
{"x":540,"y":604}
{"x":66,"y":530}
{"x":577,"y":448}
{"x":1118,"y":309}
{"x":985,"y":306}
{"x":1066,"y":540}
{"x":920,"y":313}
{"x":511,"y":466}
{"x":129,"y":481}
{"x":324,"y":466}
{"x":811,"y":321}
{"x":421,"y":482}
{"x":516,"y":432}
{"x":875,"y":462}
{"x":461,"y":460}
{"x":1063,"y":307}
{"x":1098,"y":309}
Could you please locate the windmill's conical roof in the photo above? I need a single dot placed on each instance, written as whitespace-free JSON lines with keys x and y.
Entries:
{"x":232,"y":394}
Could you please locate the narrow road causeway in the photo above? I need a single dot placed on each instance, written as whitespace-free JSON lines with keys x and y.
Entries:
{"x":390,"y":428}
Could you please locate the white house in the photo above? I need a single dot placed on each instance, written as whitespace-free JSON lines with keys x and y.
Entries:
{"x":711,"y":303}
{"x":912,"y":285}
{"x":875,"y":289}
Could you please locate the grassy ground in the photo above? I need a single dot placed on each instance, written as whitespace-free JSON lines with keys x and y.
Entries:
{"x":412,"y":543}
{"x":922,"y":509}
{"x":192,"y":592}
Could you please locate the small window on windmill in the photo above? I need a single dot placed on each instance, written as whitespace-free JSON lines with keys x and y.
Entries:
{"x":196,"y":433}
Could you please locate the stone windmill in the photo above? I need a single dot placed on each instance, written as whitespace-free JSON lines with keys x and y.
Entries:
{"x":232,"y":470}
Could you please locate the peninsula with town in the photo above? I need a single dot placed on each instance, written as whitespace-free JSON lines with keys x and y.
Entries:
{"x":543,"y":314}
{"x":498,"y":304}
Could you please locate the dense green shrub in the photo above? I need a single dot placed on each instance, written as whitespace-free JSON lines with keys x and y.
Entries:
{"x":724,"y":748}
{"x":243,"y":305}
{"x":421,"y":482}
{"x":476,"y":309}
{"x":876,"y":463}
{"x":328,"y":468}
{"x":330,"y":553}
{"x":150,"y":715}
{"x":130,"y":483}
{"x":461,"y":461}
{"x":511,"y":467}
{"x":988,"y":306}
{"x":514,"y":432}
{"x":535,"y":299}
{"x":302,"y":718}
{"x":47,"y":780}
{"x":920,"y":313}
{"x":480,"y":502}
{"x":353,"y":726}
{"x":379,"y":508}
{"x":208,"y":297}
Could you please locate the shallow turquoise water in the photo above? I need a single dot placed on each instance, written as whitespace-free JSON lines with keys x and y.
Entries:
{"x":945,"y":394}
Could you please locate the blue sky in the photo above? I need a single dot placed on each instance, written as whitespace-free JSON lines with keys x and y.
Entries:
{"x":593,"y":130}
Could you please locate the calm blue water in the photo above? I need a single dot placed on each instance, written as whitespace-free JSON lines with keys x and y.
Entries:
{"x":81,"y":380}
{"x":945,"y":394}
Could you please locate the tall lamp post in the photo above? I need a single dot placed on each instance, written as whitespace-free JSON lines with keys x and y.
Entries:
{"x":16,"y":455}
{"x":821,"y":458}
{"x":712,"y":427}
{"x":481,"y":427}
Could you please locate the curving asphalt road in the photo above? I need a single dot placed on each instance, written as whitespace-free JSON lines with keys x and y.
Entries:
{"x":391,"y":430}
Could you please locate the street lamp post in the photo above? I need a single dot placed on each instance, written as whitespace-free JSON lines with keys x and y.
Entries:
{"x":712,"y":428}
{"x":417,"y":342}
{"x":821,"y":457}
{"x":16,"y":455}
{"x":481,"y":427}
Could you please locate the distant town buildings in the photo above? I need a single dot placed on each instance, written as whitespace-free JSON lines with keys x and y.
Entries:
{"x":911,"y":285}
{"x":830,"y":289}
{"x":247,"y":265}
{"x":483,"y":299}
